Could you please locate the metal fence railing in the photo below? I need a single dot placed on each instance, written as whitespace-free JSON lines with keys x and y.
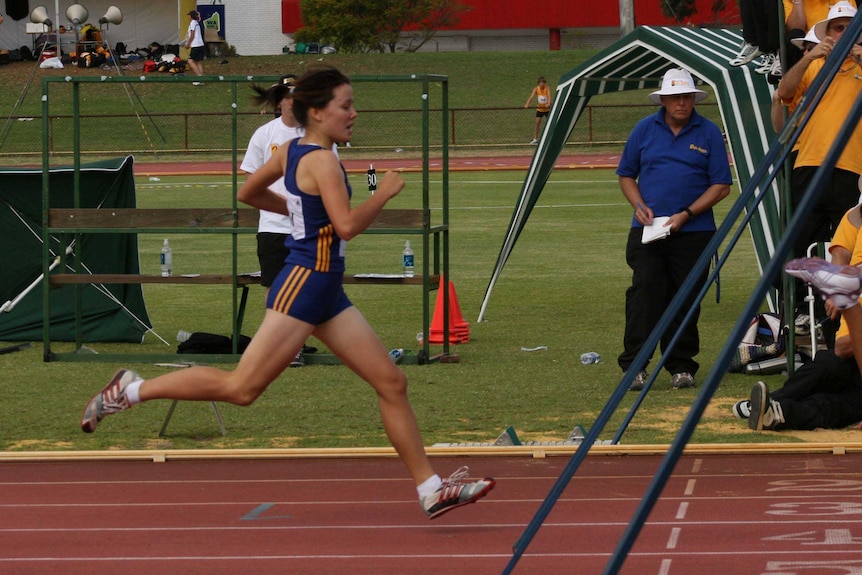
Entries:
{"x":390,"y":129}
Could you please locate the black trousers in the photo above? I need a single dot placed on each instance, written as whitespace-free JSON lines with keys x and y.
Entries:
{"x":825,"y":393}
{"x":760,"y":23}
{"x":840,"y":193}
{"x":659,"y":269}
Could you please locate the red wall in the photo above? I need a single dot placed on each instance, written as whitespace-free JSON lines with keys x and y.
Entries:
{"x":508,"y":14}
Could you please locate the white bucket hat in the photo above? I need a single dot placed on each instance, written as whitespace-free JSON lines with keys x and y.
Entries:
{"x":841,"y":9}
{"x":677,"y":81}
{"x":810,"y":37}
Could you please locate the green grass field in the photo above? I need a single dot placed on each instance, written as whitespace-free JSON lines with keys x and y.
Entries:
{"x":563,"y":288}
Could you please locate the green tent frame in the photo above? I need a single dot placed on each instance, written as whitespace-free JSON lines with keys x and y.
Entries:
{"x":637,"y":62}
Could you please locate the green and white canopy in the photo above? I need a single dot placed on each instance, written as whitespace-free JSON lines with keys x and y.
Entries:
{"x":637,"y":62}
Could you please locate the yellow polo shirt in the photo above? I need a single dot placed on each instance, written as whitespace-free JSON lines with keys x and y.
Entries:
{"x":815,"y":10}
{"x":825,"y":123}
{"x":848,"y":237}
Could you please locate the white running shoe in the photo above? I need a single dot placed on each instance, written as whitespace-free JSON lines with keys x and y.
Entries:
{"x":454,"y":492}
{"x":777,"y":70}
{"x":766,"y":64}
{"x":746,"y":54}
{"x":766,"y":413}
{"x":682,"y":380}
{"x":638,"y":382}
{"x":110,"y":400}
{"x":842,"y":284}
{"x":742,"y":409}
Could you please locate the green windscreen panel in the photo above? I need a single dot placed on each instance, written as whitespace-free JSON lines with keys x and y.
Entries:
{"x":108,"y":312}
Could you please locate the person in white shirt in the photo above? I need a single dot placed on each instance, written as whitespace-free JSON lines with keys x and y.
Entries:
{"x":194,"y":41}
{"x":273,"y":229}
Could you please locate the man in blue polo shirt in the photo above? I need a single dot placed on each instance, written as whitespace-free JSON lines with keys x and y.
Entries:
{"x":673,"y":170}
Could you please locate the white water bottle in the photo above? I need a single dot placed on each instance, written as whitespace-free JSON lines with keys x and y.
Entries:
{"x":590,"y":357}
{"x":407,"y":260}
{"x":166,"y":259}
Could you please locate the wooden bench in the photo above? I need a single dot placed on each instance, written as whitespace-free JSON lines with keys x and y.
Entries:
{"x":219,"y":220}
{"x":205,"y":220}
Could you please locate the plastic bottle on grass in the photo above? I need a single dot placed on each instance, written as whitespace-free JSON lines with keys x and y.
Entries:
{"x":407,"y":260}
{"x":590,"y":357}
{"x":166,"y":259}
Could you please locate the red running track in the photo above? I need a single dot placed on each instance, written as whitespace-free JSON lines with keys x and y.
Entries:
{"x":719,"y":514}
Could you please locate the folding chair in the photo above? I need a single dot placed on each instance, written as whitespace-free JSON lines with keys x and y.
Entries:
{"x":820,"y":249}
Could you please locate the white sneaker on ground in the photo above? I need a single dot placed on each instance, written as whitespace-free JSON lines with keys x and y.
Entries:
{"x":741,"y":409}
{"x":746,"y":54}
{"x":110,"y":400}
{"x":454,"y":492}
{"x":534,"y":141}
{"x":829,"y":279}
{"x":766,"y":413}
{"x":682,"y":380}
{"x":638,"y":382}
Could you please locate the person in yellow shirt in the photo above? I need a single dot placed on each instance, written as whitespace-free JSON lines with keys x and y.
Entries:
{"x":542,"y":94}
{"x":799,"y":16}
{"x":841,"y":190}
{"x":827,"y":392}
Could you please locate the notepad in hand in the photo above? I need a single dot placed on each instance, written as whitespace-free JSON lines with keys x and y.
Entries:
{"x":656,"y":230}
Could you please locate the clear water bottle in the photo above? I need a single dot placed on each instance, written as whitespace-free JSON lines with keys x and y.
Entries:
{"x":396,"y":355}
{"x":166,"y":259}
{"x":407,"y":260}
{"x":590,"y":357}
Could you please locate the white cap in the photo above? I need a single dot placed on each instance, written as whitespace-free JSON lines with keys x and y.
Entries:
{"x":677,"y":81}
{"x":841,"y":9}
{"x":810,"y":37}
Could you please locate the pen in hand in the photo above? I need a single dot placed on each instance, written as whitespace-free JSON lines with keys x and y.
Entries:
{"x":641,"y":211}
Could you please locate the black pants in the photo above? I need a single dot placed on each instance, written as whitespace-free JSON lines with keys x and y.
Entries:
{"x":825,"y":393}
{"x":659,"y":269}
{"x":760,"y":23}
{"x":840,"y":193}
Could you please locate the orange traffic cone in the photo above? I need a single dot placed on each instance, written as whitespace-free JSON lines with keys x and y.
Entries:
{"x":459,"y":330}
{"x":456,"y":319}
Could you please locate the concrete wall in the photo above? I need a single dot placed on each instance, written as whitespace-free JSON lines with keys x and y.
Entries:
{"x":254,"y":28}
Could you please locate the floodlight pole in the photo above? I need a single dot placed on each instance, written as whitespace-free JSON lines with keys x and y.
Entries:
{"x":627,"y":17}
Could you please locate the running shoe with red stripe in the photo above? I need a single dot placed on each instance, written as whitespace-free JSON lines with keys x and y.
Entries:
{"x":110,"y":400}
{"x":455,"y":492}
